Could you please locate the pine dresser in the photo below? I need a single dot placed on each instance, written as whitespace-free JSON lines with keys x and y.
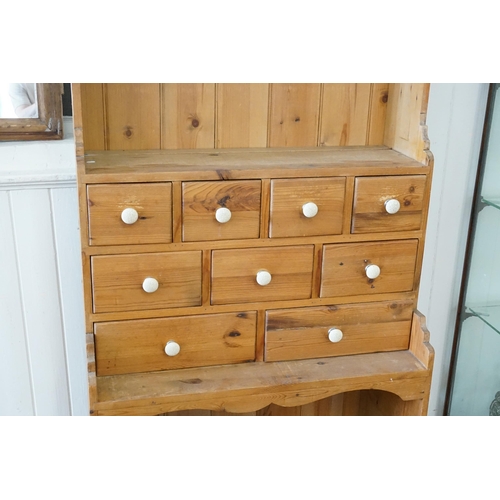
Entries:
{"x":254,"y":249}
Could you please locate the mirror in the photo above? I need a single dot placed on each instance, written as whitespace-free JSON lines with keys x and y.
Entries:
{"x":31,"y":111}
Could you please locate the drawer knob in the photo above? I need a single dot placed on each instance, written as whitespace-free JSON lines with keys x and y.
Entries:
{"x":172,"y":348}
{"x":372,"y":271}
{"x":150,"y":285}
{"x":310,"y":209}
{"x":392,"y":206}
{"x":263,"y":278}
{"x":130,"y":216}
{"x":335,"y":335}
{"x":223,"y":215}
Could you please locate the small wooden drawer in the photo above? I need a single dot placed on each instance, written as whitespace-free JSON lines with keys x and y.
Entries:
{"x":319,"y":332}
{"x":235,"y":274}
{"x":141,"y":345}
{"x":146,"y":281}
{"x":306,"y":207}
{"x":220,"y":210}
{"x":389,"y":203}
{"x":130,"y":214}
{"x":351,"y":269}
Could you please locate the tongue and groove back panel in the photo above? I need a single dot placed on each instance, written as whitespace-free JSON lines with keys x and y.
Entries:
{"x":189,"y":116}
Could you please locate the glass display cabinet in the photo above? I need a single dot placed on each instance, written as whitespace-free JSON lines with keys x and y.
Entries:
{"x":474,"y":387}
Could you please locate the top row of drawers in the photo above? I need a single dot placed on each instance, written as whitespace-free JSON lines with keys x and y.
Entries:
{"x":122,"y":214}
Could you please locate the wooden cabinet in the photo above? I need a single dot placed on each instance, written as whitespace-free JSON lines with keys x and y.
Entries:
{"x":253,"y":278}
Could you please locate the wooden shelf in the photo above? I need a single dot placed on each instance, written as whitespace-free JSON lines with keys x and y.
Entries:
{"x":252,"y":386}
{"x":217,"y":164}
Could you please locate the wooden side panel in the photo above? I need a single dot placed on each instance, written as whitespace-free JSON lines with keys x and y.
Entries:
{"x":294,"y":114}
{"x":405,"y":129}
{"x":378,"y":110}
{"x":242,"y":112}
{"x":132,"y":116}
{"x":344,"y":114}
{"x":93,"y":116}
{"x":188,"y":115}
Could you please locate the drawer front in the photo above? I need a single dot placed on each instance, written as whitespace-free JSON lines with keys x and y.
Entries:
{"x":305,"y":333}
{"x":372,"y":203}
{"x":119,"y":282}
{"x":347,"y":268}
{"x":306,"y":207}
{"x":139,"y":345}
{"x":235,"y":273}
{"x":147,"y":208}
{"x":222,"y":210}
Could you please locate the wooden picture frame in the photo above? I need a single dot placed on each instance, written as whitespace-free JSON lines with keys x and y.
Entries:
{"x":47,"y":126}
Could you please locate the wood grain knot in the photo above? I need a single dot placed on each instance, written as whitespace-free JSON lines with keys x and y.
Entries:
{"x":195,"y":123}
{"x":191,"y":381}
{"x":297,"y":119}
{"x":128,"y":132}
{"x":384,"y":98}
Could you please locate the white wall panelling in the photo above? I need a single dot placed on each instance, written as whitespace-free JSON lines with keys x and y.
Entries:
{"x":16,"y":395}
{"x":42,"y":346}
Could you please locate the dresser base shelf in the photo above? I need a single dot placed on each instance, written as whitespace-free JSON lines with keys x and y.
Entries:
{"x":252,"y":386}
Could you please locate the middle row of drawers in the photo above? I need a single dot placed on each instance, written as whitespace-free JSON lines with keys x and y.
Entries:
{"x":135,"y":282}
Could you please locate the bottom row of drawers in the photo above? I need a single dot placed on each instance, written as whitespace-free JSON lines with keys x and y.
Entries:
{"x":190,"y":341}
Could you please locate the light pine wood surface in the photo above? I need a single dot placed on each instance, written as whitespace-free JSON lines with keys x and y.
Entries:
{"x":288,"y":196}
{"x":344,"y":268}
{"x":303,"y":333}
{"x":201,"y":200}
{"x":117,"y":281}
{"x":138,"y":346}
{"x":262,"y":151}
{"x":153,"y":203}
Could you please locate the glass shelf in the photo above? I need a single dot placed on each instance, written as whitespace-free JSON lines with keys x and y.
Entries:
{"x":491,"y":202}
{"x":489,"y":314}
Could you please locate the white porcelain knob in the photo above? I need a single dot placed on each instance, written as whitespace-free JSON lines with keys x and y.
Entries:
{"x":223,"y":215}
{"x":150,"y":285}
{"x":372,"y":271}
{"x":335,"y":335}
{"x":263,"y":278}
{"x":392,"y":206}
{"x":130,"y":216}
{"x":172,"y":348}
{"x":310,"y":209}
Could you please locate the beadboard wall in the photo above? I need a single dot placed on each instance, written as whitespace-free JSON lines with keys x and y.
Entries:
{"x":42,"y":333}
{"x":42,"y":348}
